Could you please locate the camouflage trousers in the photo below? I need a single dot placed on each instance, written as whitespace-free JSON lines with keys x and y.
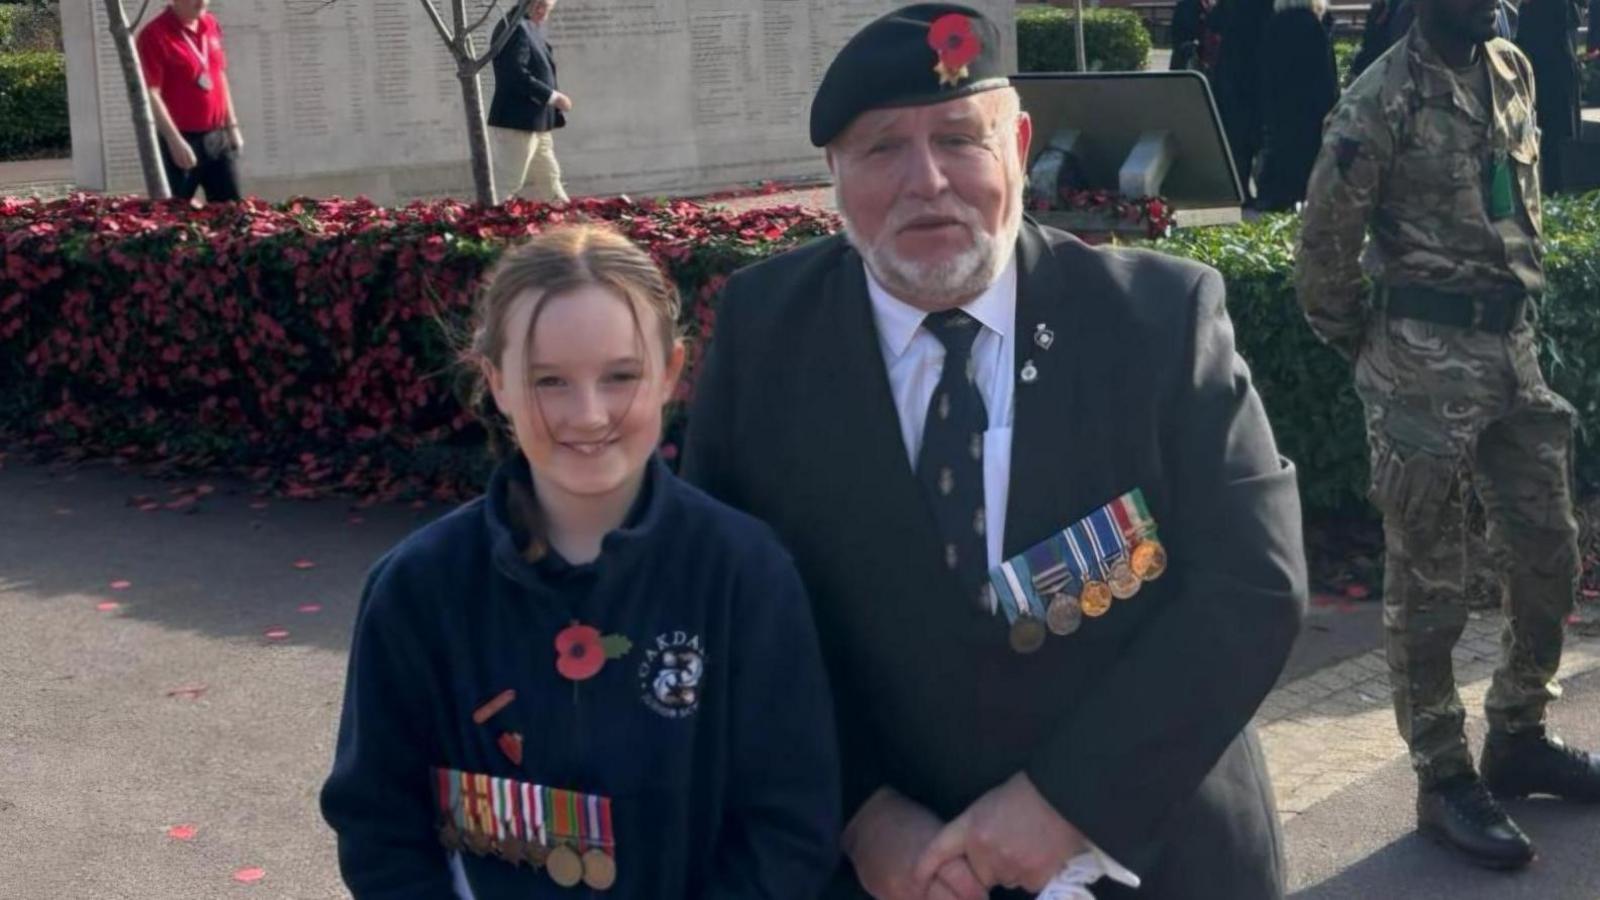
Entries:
{"x":1448,"y":409}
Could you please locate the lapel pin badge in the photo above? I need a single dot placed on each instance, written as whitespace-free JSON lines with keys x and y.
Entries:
{"x":1043,"y":336}
{"x":1029,"y":373}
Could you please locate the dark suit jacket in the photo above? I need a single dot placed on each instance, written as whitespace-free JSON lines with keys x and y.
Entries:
{"x":1134,"y":727}
{"x":524,"y":79}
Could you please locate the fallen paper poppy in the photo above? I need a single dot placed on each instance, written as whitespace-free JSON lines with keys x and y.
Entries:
{"x":182,"y":832}
{"x":311,"y":607}
{"x":249,"y":876}
{"x":188,"y":691}
{"x":1357,"y":592}
{"x":304,"y":564}
{"x":151,"y":506}
{"x":277,"y":634}
{"x":108,"y":606}
{"x":121,"y":585}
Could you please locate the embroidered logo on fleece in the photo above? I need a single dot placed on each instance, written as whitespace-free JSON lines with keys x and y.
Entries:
{"x":670,"y":674}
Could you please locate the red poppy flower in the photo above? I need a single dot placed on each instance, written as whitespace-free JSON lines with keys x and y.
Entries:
{"x":579,"y":653}
{"x":951,"y":37}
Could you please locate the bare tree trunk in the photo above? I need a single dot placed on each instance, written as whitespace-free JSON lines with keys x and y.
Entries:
{"x":144,"y":122}
{"x":472,"y":99}
{"x":478,"y":137}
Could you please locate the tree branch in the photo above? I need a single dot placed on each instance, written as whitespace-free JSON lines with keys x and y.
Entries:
{"x":439,"y":26}
{"x":483,"y":18}
{"x":499,"y":43}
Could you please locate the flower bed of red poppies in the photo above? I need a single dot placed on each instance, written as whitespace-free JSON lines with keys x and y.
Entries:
{"x":311,"y":345}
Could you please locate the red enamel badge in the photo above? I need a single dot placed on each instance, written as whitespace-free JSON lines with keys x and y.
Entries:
{"x":952,"y":38}
{"x":511,"y":745}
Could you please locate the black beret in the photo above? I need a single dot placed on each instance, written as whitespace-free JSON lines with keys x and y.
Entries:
{"x":916,"y":55}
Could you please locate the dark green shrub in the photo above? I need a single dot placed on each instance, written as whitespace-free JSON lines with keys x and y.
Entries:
{"x":33,"y":104}
{"x":1115,"y":40}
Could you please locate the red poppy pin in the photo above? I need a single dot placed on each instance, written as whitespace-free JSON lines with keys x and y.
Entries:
{"x":951,"y":36}
{"x":581,"y":651}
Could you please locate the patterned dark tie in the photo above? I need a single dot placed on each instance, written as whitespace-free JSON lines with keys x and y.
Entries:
{"x":950,"y":466}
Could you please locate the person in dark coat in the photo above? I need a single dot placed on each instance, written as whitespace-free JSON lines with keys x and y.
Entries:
{"x":1196,"y":35}
{"x":927,"y":408}
{"x":1386,"y":21}
{"x":1547,"y":33}
{"x":1299,"y":85}
{"x":526,"y":109}
{"x":1237,"y":84}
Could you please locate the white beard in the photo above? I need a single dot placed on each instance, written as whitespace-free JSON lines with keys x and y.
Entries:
{"x":939,"y":282}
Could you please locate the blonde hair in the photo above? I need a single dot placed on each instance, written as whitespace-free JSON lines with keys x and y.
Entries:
{"x":562,"y":260}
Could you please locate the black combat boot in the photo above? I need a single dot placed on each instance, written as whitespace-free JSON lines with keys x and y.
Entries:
{"x":1534,"y":762}
{"x":1460,"y":813}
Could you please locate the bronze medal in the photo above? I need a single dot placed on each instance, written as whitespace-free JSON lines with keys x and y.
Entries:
{"x":1124,"y":584}
{"x":536,"y":853}
{"x":1027,"y":634}
{"x":477,"y":843}
{"x":1149,"y":559}
{"x":513,"y":850}
{"x":599,"y":870}
{"x":1064,"y":615}
{"x":449,"y":836}
{"x":1096,"y":599}
{"x":564,"y":866}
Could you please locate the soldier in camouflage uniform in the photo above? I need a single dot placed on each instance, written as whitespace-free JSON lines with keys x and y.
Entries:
{"x":1435,"y":149}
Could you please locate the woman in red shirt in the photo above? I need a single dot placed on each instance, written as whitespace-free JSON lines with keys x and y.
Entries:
{"x":186,"y":71}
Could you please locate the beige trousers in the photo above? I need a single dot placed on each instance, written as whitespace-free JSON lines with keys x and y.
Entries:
{"x":525,"y":158}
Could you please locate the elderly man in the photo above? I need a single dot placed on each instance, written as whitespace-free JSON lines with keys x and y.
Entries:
{"x":984,"y":442}
{"x":527,"y":109}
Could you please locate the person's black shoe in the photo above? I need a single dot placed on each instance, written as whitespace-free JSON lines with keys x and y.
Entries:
{"x":1460,"y":813}
{"x":1516,"y":765}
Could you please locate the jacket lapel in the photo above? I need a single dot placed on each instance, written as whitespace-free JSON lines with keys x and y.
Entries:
{"x":1058,"y":466}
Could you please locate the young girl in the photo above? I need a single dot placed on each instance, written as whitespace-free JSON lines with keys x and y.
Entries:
{"x":595,"y":678}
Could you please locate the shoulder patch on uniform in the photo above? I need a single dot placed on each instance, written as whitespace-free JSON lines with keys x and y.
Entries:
{"x":1345,"y":152}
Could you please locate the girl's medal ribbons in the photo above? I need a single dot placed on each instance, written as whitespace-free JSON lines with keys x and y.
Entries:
{"x":568,"y":833}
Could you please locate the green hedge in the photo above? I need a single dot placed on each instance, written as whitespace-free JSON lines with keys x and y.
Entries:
{"x":33,"y":104}
{"x":1115,"y":40}
{"x":33,"y":26}
{"x":1306,"y":387}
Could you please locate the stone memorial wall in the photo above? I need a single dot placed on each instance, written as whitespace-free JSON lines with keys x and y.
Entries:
{"x":360,"y":96}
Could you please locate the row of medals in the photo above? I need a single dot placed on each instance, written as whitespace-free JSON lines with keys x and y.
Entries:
{"x":1064,"y":613}
{"x":562,"y":863}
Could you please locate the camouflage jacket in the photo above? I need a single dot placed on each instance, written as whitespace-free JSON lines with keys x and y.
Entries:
{"x":1410,"y":151}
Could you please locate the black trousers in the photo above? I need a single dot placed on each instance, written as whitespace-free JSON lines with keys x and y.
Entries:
{"x":216,"y":168}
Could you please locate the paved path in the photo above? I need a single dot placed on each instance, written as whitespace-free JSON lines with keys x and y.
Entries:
{"x":175,"y":707}
{"x":36,"y":178}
